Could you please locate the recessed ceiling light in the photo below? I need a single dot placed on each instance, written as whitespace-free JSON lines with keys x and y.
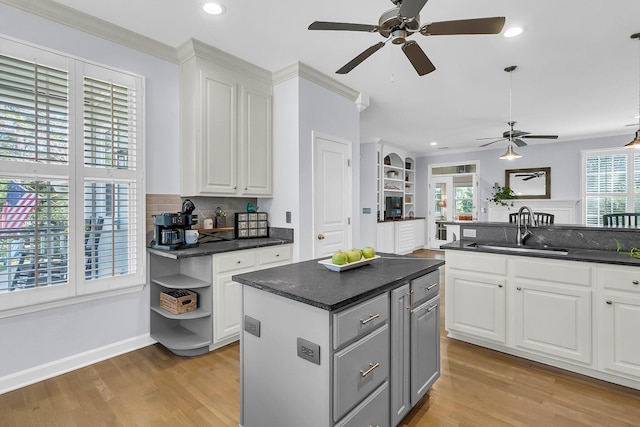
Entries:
{"x":213,"y":8}
{"x":433,"y":143}
{"x":513,"y":31}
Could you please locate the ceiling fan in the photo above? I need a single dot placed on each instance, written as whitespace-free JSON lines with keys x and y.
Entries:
{"x":401,"y":22}
{"x":513,"y":135}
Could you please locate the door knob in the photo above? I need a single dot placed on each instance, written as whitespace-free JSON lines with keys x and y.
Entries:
{"x":320,"y":236}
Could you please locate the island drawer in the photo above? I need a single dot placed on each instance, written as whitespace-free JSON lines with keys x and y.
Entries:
{"x":359,"y":369}
{"x":360,"y":319}
{"x":425,"y":287}
{"x":374,"y":411}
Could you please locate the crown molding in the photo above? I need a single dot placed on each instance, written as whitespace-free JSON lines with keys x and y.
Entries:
{"x":195,"y":48}
{"x":300,"y":69}
{"x":91,"y":25}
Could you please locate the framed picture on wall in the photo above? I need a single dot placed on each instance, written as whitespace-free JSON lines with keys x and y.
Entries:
{"x":532,"y":183}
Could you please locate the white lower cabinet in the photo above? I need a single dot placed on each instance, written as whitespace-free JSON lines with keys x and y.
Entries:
{"x":475,"y":294}
{"x":619,"y":308}
{"x":553,"y":308}
{"x":227,"y":298}
{"x":563,"y":313}
{"x":400,"y":237}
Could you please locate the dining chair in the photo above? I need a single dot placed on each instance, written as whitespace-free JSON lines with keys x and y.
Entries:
{"x":540,"y":217}
{"x":629,"y":219}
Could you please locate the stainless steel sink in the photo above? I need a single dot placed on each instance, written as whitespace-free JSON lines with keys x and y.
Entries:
{"x":525,"y":249}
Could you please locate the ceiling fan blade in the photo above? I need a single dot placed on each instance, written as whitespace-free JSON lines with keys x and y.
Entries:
{"x":418,"y":58}
{"x":519,"y":142}
{"x":358,"y":59}
{"x":490,"y":137}
{"x":540,"y":136}
{"x":342,"y":26}
{"x":411,"y":8}
{"x":464,"y":26}
{"x":493,"y":142}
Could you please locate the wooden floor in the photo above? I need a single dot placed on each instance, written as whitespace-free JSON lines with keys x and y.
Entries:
{"x":153,"y":387}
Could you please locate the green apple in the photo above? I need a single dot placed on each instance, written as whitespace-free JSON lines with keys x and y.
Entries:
{"x":339,"y":258}
{"x":354,"y":255}
{"x":368,"y":252}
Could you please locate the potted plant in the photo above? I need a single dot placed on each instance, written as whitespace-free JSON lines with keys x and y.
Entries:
{"x":501,"y":195}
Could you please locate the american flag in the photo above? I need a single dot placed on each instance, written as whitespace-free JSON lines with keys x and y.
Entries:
{"x":18,"y":204}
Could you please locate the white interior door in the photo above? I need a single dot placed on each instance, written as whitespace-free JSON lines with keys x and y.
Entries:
{"x":331,"y":195}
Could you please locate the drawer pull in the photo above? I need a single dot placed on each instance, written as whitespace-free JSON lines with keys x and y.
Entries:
{"x":371,"y":317}
{"x":372,"y":366}
{"x":238,"y":262}
{"x":431,"y":287}
{"x":519,"y":288}
{"x":499,"y":285}
{"x":609,"y":302}
{"x":430,"y":309}
{"x":635,"y":282}
{"x":277,"y":255}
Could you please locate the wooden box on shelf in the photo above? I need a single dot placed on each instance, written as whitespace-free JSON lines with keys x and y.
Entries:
{"x":179,"y":301}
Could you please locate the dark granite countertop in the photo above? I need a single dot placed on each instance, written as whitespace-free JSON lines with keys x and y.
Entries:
{"x":401,"y":219}
{"x":212,"y":248}
{"x":573,"y":254}
{"x":312,"y":283}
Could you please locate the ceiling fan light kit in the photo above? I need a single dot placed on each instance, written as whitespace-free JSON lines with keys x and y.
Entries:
{"x":636,"y":141}
{"x":510,"y":154}
{"x":402,"y":22}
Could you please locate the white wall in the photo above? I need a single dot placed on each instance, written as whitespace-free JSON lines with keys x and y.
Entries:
{"x":326,"y":112}
{"x":368,"y":191}
{"x":563,"y":158}
{"x":51,"y":341}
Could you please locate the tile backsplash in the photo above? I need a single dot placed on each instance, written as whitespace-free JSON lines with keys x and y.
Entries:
{"x":205,"y":208}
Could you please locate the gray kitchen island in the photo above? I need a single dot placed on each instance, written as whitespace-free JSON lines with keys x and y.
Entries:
{"x":325,"y":348}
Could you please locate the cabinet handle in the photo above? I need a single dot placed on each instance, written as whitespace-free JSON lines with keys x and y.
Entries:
{"x":372,"y":366}
{"x":430,"y":309}
{"x":431,"y":286}
{"x":371,"y":317}
{"x":519,"y":288}
{"x":499,"y":285}
{"x":609,"y":302}
{"x":238,"y":262}
{"x":277,"y":255}
{"x":635,"y":282}
{"x":320,"y":236}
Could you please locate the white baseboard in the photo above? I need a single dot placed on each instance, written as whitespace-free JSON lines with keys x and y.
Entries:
{"x":49,"y":370}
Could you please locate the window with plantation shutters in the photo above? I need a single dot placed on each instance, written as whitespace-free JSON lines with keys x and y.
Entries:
{"x":611,"y":183}
{"x":70,"y":179}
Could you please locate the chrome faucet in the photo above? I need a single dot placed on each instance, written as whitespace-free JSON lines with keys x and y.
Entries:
{"x":520,"y":235}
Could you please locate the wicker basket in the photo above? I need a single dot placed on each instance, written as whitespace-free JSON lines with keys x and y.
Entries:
{"x":179,"y":301}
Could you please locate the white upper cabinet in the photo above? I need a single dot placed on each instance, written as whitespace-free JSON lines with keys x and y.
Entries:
{"x":226,"y":124}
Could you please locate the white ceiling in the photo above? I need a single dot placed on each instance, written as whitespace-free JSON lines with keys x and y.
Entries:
{"x":578,"y":70}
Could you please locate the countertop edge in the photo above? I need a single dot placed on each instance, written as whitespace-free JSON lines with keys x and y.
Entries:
{"x":581,"y":255}
{"x":213,"y":248}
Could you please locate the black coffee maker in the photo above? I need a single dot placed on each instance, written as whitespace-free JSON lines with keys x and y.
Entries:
{"x":168,"y":228}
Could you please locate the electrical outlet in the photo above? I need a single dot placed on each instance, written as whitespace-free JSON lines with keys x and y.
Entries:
{"x":309,"y":351}
{"x":252,"y":325}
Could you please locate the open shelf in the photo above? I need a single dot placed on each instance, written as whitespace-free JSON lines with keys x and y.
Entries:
{"x":180,"y":281}
{"x":195,"y":314}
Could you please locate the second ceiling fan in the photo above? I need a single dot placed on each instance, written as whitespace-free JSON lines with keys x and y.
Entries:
{"x":513,"y":135}
{"x":403,"y":21}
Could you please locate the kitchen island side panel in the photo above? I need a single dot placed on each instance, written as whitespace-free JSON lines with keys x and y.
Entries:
{"x":278,"y":388}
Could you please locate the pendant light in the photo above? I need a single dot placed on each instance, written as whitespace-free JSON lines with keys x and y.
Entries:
{"x":636,"y":141}
{"x":510,"y":154}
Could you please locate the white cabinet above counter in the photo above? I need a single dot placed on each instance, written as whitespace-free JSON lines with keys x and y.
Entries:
{"x":225,"y":125}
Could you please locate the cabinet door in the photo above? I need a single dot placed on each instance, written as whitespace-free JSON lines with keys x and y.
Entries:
{"x":419,"y":237}
{"x":385,"y":237}
{"x":255,"y":143}
{"x":425,"y":348}
{"x":405,"y":235}
{"x":478,"y":305}
{"x":219,"y":135}
{"x":553,"y":319}
{"x":620,"y":340}
{"x":227,"y":307}
{"x":400,"y":356}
